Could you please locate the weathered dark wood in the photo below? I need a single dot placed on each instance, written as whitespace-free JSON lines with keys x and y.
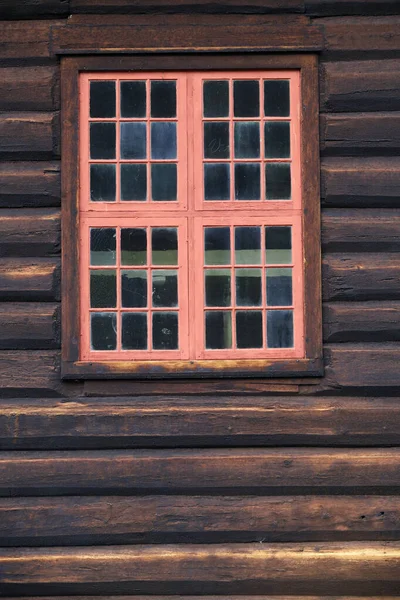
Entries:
{"x":25,"y":9}
{"x":32,"y":232}
{"x":357,"y":365}
{"x":348,"y":37}
{"x":29,"y":88}
{"x":361,"y":182}
{"x":25,"y":42}
{"x":362,"y":322}
{"x":364,"y":134}
{"x":335,"y":568}
{"x":26,"y":184}
{"x":29,"y":279}
{"x":230,"y":597}
{"x":186,"y":6}
{"x":367,"y":85}
{"x":29,"y":326}
{"x":351,"y":7}
{"x":29,"y":136}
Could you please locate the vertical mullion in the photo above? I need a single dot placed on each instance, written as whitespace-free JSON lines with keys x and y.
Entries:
{"x":231,"y":142}
{"x":118,"y":276}
{"x":262,"y":141}
{"x":263,"y":286}
{"x":118,"y":141}
{"x":148,"y":163}
{"x":233,"y":288}
{"x":189,"y":247}
{"x":149,"y":292}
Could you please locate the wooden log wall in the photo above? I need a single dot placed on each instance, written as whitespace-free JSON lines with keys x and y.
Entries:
{"x":286,"y":489}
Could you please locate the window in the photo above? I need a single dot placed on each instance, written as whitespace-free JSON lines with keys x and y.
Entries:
{"x":191,"y":212}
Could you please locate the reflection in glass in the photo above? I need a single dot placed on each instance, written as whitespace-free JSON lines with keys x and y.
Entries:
{"x":247,"y":245}
{"x":103,"y":288}
{"x":163,"y":182}
{"x":218,"y":329}
{"x":134,"y":331}
{"x":102,"y":246}
{"x":163,"y":99}
{"x":247,"y":181}
{"x":277,"y":139}
{"x":164,"y":244}
{"x":277,"y":181}
{"x":246,"y":98}
{"x":165,"y":288}
{"x":165,"y":331}
{"x":133,"y":246}
{"x":248,"y":287}
{"x":247,"y":139}
{"x":276,"y":98}
{"x":133,"y":99}
{"x":218,"y":287}
{"x":216,"y":140}
{"x":217,"y":246}
{"x":102,"y":140}
{"x":279,"y":287}
{"x":102,"y":99}
{"x":133,"y":182}
{"x":133,"y":140}
{"x":216,"y":98}
{"x":163,"y":140}
{"x":134,"y":289}
{"x":102,"y":183}
{"x":280,"y":329}
{"x":103,"y":331}
{"x":216,"y":181}
{"x":278,"y":244}
{"x":249,"y":328}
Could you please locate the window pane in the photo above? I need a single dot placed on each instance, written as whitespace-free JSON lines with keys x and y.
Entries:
{"x":134,"y":289}
{"x":134,"y":331}
{"x":247,"y":140}
{"x":133,"y":182}
{"x":103,"y":289}
{"x":248,"y":287}
{"x":163,"y":182}
{"x":133,"y":99}
{"x":163,"y":99}
{"x":164,"y":243}
{"x":102,"y":99}
{"x":246,"y":98}
{"x":165,"y":288}
{"x":133,"y":247}
{"x":247,"y":245}
{"x":216,"y":181}
{"x":277,"y":181}
{"x":165,"y":331}
{"x":102,"y":140}
{"x":276,"y":98}
{"x":163,"y":140}
{"x":217,"y":246}
{"x":278,"y":244}
{"x":280,"y":329}
{"x":103,"y":331}
{"x":102,"y":183}
{"x":102,"y":246}
{"x":218,"y":330}
{"x":279,"y":287}
{"x":216,"y":140}
{"x":133,"y":140}
{"x":216,"y":98}
{"x":218,"y":287}
{"x":249,"y":329}
{"x":277,"y":139}
{"x":247,"y":181}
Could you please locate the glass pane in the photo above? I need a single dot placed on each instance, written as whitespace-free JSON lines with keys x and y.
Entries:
{"x":102,"y":99}
{"x":163,"y":182}
{"x":218,"y":329}
{"x":165,"y":288}
{"x":102,"y":183}
{"x":103,"y":288}
{"x":102,"y":246}
{"x":277,"y":181}
{"x":163,"y":99}
{"x":216,"y":181}
{"x":133,"y":182}
{"x":163,"y":140}
{"x":103,"y":331}
{"x":247,"y":181}
{"x":280,"y":329}
{"x":279,"y":287}
{"x":216,"y":140}
{"x":276,"y":98}
{"x":247,"y":245}
{"x":133,"y":247}
{"x":277,"y":139}
{"x":134,"y":289}
{"x":249,"y":329}
{"x":165,"y":331}
{"x":218,"y":287}
{"x":133,"y":99}
{"x":247,"y":140}
{"x":248,"y":287}
{"x":102,"y":140}
{"x":164,"y":243}
{"x":133,"y":140}
{"x":134,"y":331}
{"x":246,"y":98}
{"x":217,"y":246}
{"x":216,"y":98}
{"x":278,"y":244}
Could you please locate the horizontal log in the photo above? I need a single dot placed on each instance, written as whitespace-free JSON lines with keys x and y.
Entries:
{"x":29,"y":326}
{"x":30,"y":279}
{"x":334,"y":568}
{"x":185,"y":6}
{"x":25,"y":42}
{"x":196,"y":519}
{"x":367,"y":85}
{"x":219,"y":597}
{"x":10,"y":9}
{"x":213,"y":421}
{"x":29,"y":135}
{"x":346,"y":37}
{"x":318,"y":8}
{"x":361,"y":182}
{"x":29,"y":184}
{"x":31,"y":232}
{"x":361,"y":322}
{"x":29,"y":88}
{"x":363,"y":134}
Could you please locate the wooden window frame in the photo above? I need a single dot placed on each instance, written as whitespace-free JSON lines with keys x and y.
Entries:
{"x":311,"y":364}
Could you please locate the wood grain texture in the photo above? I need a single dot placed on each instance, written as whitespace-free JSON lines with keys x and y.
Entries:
{"x":35,"y":279}
{"x":26,"y":9}
{"x":335,"y":568}
{"x":31,"y":232}
{"x":219,"y":597}
{"x":29,"y":326}
{"x":362,"y":365}
{"x":361,"y":322}
{"x":25,"y":42}
{"x":29,"y":88}
{"x":29,"y":184}
{"x":186,"y":6}
{"x":351,"y":7}
{"x":29,"y":136}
